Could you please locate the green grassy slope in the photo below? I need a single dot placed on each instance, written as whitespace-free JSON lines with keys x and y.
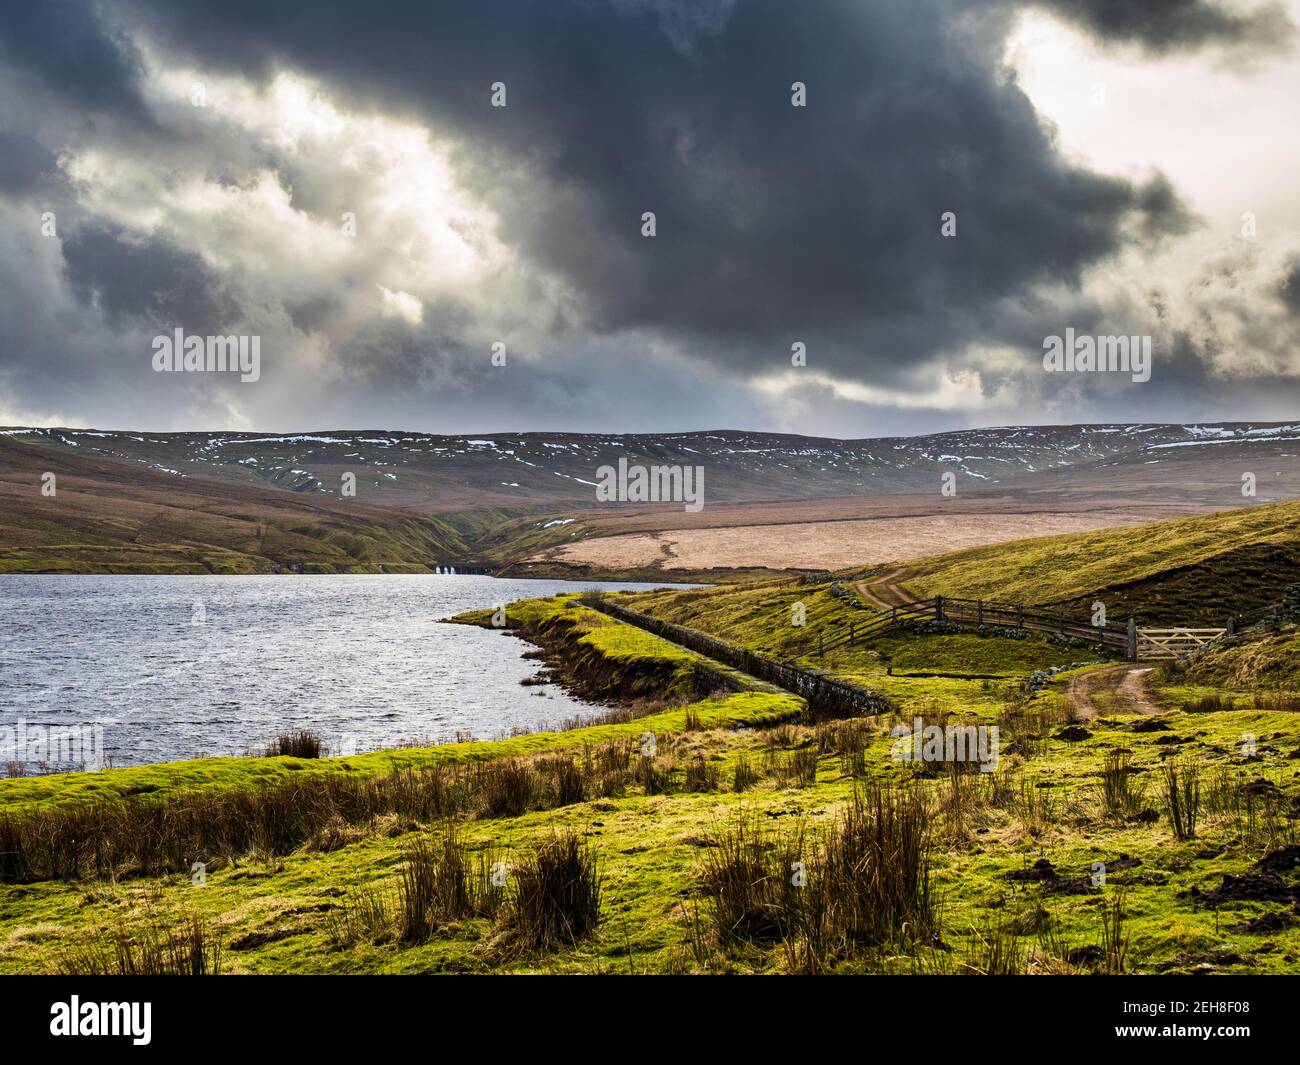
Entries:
{"x":761,"y":616}
{"x":107,"y":517}
{"x":1204,"y":567}
{"x":1268,"y":662}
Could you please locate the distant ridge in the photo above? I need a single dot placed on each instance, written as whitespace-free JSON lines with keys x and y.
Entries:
{"x":253,"y":502}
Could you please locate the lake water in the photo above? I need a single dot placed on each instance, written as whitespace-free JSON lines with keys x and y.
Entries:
{"x":187,"y":666}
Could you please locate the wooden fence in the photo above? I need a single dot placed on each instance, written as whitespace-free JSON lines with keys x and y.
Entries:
{"x":1174,"y":643}
{"x":841,"y":697}
{"x":1128,"y":639}
{"x":971,"y":613}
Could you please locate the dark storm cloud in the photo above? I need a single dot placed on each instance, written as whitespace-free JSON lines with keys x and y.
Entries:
{"x":311,"y":314}
{"x":1289,"y":290}
{"x":74,"y":51}
{"x":146,"y":279}
{"x":1169,"y":25}
{"x":24,"y":161}
{"x":1163,"y":213}
{"x":774,"y":223}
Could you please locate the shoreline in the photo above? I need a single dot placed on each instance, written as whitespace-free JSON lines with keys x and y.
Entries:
{"x":582,"y":674}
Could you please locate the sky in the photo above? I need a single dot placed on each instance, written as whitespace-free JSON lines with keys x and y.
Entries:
{"x":955,"y":182}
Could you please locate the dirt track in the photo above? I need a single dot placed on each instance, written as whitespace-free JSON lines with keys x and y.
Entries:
{"x":886,"y":590}
{"x":1118,"y":689}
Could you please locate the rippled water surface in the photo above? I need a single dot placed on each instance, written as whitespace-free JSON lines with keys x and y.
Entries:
{"x":187,"y":666}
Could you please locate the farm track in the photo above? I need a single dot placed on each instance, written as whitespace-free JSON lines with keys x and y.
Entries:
{"x":1118,"y":689}
{"x":886,"y":591}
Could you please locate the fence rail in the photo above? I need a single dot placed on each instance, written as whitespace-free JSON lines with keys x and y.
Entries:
{"x":842,"y":697}
{"x":1133,"y":642}
{"x":1176,"y":642}
{"x":976,"y":613}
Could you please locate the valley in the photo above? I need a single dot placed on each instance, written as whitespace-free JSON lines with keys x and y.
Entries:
{"x":251,"y":503}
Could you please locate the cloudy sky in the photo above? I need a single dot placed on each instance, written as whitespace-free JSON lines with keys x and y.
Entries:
{"x":334,"y":178}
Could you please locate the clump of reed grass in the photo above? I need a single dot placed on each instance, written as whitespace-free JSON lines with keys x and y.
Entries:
{"x":863,"y":885}
{"x":440,"y":882}
{"x":701,"y":775}
{"x":849,"y":740}
{"x":1036,"y":806}
{"x":851,"y":746}
{"x":654,"y":777}
{"x":803,"y":766}
{"x":190,"y":950}
{"x":1255,"y":810}
{"x":1114,"y":934}
{"x":366,"y":916}
{"x":745,"y":776}
{"x":697,"y":952}
{"x":610,"y":768}
{"x":557,"y":895}
{"x":506,"y":787}
{"x":781,"y":738}
{"x":962,"y":795}
{"x":567,"y":780}
{"x":1121,"y":797}
{"x":1003,"y":786}
{"x":1026,"y":724}
{"x":1183,"y":797}
{"x":746,"y":883}
{"x":613,"y":757}
{"x":301,"y":743}
{"x":1001,"y":952}
{"x":876,"y":867}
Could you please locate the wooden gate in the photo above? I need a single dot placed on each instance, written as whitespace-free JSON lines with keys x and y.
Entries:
{"x":1174,"y":643}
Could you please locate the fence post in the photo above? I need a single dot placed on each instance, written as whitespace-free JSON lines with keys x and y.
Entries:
{"x":1020,"y":613}
{"x":1132,"y":648}
{"x":979,"y":611}
{"x":938,"y":608}
{"x":1232,"y":627}
{"x":1061,"y":618}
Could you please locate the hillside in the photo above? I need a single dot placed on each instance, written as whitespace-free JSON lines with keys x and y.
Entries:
{"x":1208,"y":567}
{"x":434,"y":474}
{"x":246,"y":502}
{"x":107,"y":516}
